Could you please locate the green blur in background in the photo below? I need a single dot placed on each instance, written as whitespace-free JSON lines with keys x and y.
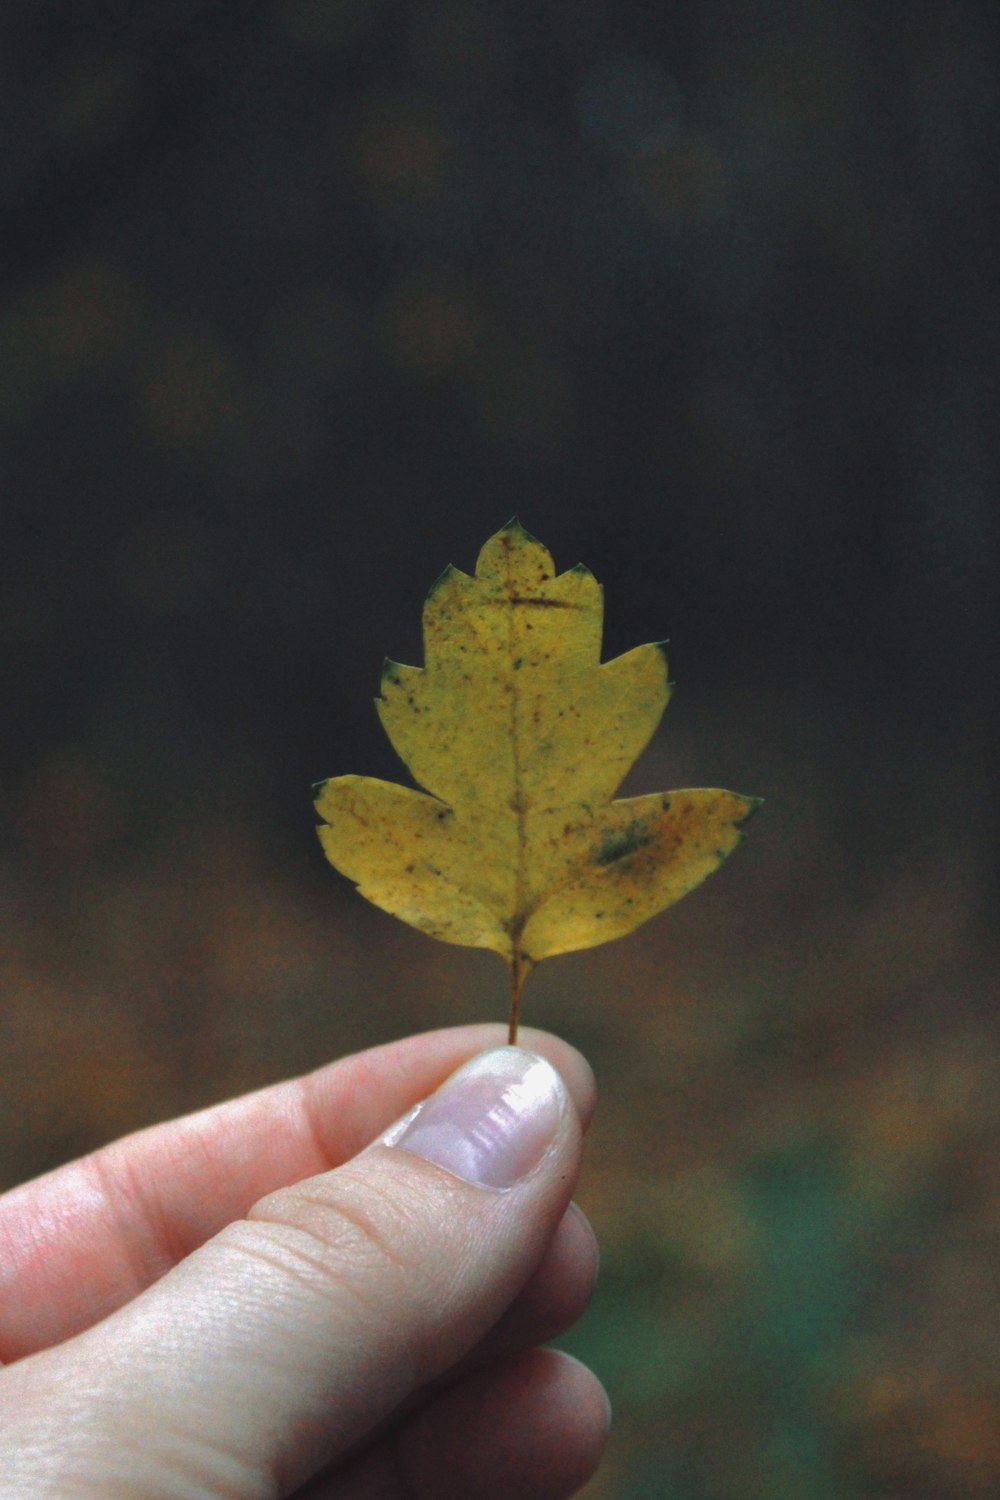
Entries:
{"x":299,"y":302}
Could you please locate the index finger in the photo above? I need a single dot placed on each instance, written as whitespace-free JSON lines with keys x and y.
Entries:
{"x":86,"y":1238}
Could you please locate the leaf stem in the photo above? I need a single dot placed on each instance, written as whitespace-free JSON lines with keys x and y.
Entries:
{"x":520,"y":968}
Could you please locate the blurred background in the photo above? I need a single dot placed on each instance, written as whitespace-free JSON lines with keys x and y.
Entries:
{"x":301,"y":301}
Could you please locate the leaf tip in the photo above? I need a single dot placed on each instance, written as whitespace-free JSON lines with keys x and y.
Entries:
{"x":443,"y":579}
{"x":753,"y":803}
{"x":661,"y":647}
{"x":513,"y":548}
{"x":519,"y":531}
{"x":515,"y":528}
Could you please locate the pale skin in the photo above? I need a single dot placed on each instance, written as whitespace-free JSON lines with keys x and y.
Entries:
{"x":240,"y":1306}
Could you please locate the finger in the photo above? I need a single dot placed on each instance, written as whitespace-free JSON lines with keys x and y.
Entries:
{"x":554,"y":1297}
{"x":533,"y":1426}
{"x":274,"y":1347}
{"x":83,"y":1240}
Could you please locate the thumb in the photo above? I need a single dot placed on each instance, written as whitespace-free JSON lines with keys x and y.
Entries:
{"x":276,"y":1346}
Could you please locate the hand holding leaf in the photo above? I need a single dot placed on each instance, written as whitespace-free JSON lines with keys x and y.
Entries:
{"x":521,"y":738}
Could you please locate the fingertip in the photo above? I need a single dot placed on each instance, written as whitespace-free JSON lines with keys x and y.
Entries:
{"x":582,"y":1386}
{"x":582,"y":1241}
{"x":534,"y":1426}
{"x":570,"y":1064}
{"x":553,"y":1298}
{"x":564,"y":1283}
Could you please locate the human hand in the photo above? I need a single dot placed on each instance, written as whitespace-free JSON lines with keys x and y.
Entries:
{"x":247,"y":1303}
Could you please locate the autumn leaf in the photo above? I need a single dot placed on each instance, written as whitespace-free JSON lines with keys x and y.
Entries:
{"x":521,"y":737}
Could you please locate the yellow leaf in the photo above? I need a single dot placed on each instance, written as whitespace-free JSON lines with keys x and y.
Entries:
{"x":521,"y":737}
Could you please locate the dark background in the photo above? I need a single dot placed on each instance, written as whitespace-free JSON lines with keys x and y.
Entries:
{"x":300,"y":302}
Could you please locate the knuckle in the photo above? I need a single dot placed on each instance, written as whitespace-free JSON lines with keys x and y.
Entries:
{"x":339,"y":1237}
